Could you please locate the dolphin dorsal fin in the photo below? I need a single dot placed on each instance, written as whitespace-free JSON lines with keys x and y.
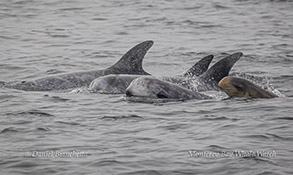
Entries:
{"x":200,"y":67}
{"x":222,"y":68}
{"x":131,"y":62}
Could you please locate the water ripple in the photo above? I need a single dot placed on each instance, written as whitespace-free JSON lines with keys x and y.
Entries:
{"x":131,"y":117}
{"x":33,"y":113}
{"x":10,"y":130}
{"x":283,"y":118}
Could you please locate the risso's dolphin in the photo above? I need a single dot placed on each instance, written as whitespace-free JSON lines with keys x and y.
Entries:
{"x":238,"y":87}
{"x":117,"y":84}
{"x":130,"y":63}
{"x":151,"y":87}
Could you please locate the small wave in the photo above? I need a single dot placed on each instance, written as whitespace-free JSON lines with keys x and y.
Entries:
{"x":54,"y":71}
{"x":22,"y":122}
{"x":256,"y":136}
{"x":68,"y":123}
{"x":72,"y":9}
{"x":59,"y":36}
{"x":80,"y":91}
{"x":218,"y":6}
{"x":259,"y":159}
{"x":106,"y":163}
{"x":42,"y":129}
{"x":57,"y":98}
{"x":33,"y":112}
{"x":276,"y":137}
{"x":39,"y":113}
{"x":283,"y":118}
{"x":216,"y":147}
{"x":190,"y":8}
{"x":133,"y":116}
{"x":99,"y":19}
{"x":211,"y":26}
{"x":24,"y":165}
{"x":3,"y":97}
{"x":144,"y":172}
{"x":213,"y":117}
{"x":266,"y":172}
{"x":149,"y":100}
{"x":9,"y":130}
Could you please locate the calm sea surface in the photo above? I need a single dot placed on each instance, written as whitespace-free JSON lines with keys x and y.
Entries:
{"x":86,"y":133}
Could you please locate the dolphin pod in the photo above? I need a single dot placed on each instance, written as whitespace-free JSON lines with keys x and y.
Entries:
{"x":128,"y":76}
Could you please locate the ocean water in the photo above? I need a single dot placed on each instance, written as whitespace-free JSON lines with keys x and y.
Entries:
{"x":86,"y":133}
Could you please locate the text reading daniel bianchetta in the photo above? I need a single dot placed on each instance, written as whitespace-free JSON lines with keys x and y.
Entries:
{"x":57,"y":154}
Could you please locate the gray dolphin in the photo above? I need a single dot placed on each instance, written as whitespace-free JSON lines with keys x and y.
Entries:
{"x":117,"y":84}
{"x":151,"y":87}
{"x":130,"y":63}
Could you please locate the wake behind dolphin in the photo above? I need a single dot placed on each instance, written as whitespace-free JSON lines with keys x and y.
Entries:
{"x":130,"y":63}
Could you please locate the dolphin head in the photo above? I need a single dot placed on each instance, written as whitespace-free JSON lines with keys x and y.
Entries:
{"x":147,"y":86}
{"x":238,"y":87}
{"x":101,"y":84}
{"x":112,"y":83}
{"x":233,"y":87}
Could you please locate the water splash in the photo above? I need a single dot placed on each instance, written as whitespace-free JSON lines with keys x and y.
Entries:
{"x":263,"y":82}
{"x":82,"y":90}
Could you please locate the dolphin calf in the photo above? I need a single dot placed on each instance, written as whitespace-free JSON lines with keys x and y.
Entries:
{"x":238,"y":87}
{"x":151,"y":87}
{"x":117,"y":84}
{"x":130,"y":63}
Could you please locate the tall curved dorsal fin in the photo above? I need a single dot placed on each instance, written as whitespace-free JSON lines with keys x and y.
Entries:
{"x":200,"y":67}
{"x":131,"y":62}
{"x":222,"y":68}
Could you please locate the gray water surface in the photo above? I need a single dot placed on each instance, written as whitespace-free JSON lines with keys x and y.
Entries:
{"x":86,"y":133}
